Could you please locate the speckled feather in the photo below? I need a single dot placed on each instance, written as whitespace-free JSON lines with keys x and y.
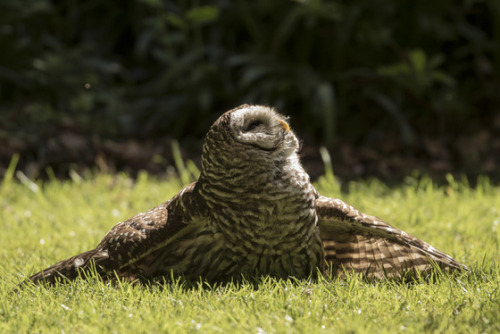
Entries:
{"x":252,"y":211}
{"x":360,"y":243}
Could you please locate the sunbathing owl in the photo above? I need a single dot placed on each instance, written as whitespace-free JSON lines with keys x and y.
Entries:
{"x":253,"y":211}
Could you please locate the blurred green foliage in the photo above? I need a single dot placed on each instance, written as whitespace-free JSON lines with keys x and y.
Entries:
{"x":347,"y":69}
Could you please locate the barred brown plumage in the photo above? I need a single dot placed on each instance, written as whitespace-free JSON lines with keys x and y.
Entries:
{"x":252,"y":211}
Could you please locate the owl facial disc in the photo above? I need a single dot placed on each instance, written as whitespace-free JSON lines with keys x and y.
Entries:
{"x":262,"y":127}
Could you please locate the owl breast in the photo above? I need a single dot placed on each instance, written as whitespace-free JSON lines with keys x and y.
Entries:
{"x":267,"y":229}
{"x":283,"y":242}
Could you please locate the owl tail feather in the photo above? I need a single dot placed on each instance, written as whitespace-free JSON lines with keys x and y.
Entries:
{"x":72,"y":268}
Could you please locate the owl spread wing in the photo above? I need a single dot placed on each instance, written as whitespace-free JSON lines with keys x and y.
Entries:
{"x":129,"y":242}
{"x":356,"y":242}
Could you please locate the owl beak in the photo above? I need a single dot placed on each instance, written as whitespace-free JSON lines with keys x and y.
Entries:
{"x":285,"y":125}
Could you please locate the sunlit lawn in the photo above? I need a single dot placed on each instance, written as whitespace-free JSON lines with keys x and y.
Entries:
{"x":43,"y":223}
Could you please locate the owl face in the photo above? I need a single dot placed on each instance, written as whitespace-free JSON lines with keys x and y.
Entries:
{"x":250,"y":141}
{"x":263,"y":129}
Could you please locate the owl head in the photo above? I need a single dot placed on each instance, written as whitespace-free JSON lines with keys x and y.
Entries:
{"x":262,"y":128}
{"x":249,"y":135}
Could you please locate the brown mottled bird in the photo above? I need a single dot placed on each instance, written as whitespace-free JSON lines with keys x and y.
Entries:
{"x":253,"y":211}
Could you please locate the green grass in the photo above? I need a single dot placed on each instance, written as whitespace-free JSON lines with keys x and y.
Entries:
{"x":43,"y":223}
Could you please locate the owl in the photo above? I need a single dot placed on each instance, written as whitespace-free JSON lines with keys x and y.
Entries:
{"x":253,"y":211}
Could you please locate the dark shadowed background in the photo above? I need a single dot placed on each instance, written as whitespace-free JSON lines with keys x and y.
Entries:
{"x":387,"y":86}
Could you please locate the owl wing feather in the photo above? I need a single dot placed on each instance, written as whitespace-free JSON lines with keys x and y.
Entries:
{"x":129,"y":242}
{"x":359,"y":243}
